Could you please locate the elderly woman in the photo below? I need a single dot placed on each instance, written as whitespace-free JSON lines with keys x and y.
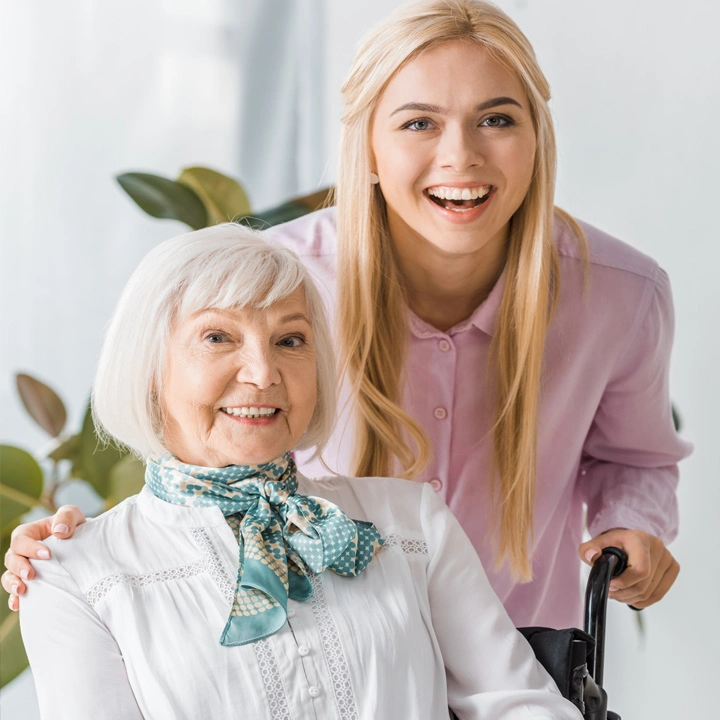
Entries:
{"x":232,"y":586}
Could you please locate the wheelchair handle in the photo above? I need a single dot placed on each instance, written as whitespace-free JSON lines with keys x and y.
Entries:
{"x":611,"y":563}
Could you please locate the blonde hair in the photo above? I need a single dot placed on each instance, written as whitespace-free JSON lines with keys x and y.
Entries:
{"x":220,"y":267}
{"x":371,"y":300}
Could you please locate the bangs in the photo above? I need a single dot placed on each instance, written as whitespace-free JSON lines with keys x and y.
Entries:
{"x":225,"y":278}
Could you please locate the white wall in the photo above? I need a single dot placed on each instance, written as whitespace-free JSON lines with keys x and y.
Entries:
{"x":636,"y":102}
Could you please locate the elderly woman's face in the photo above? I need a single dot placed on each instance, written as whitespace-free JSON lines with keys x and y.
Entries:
{"x":240,"y":385}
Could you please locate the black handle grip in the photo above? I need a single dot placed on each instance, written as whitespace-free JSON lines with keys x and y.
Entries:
{"x":611,"y":563}
{"x":622,"y":559}
{"x":621,"y":566}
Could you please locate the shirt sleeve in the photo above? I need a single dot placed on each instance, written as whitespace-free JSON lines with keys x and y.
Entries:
{"x":491,"y":670}
{"x":628,"y":476}
{"x":77,"y":666}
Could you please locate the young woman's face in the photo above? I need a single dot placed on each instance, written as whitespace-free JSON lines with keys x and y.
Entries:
{"x":454,"y":147}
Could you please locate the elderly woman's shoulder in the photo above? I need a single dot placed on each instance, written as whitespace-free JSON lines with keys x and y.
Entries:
{"x":98,"y":536}
{"x":112,"y":519}
{"x":381,"y":500}
{"x":384,"y":487}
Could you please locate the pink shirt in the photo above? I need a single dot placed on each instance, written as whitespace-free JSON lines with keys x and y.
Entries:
{"x":606,"y":438}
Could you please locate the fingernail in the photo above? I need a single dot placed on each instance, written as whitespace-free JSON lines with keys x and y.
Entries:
{"x":62,"y":528}
{"x":43,"y":554}
{"x":14,"y":589}
{"x":613,"y":586}
{"x":10,"y":603}
{"x":25,"y":574}
{"x":591,"y":554}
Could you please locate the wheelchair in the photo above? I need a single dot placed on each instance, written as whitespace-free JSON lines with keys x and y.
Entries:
{"x":575,"y":658}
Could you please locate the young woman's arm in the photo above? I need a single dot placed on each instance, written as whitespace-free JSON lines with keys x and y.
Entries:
{"x":630,"y":473}
{"x":77,"y":666}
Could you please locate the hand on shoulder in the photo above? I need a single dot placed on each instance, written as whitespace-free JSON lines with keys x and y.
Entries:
{"x":26,"y":542}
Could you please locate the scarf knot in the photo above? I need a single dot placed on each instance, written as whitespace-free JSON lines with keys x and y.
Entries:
{"x":280,"y":535}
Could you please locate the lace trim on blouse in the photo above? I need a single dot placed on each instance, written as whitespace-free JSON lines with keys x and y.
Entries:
{"x":214,"y":565}
{"x":274,"y":688}
{"x":272,"y":680}
{"x":409,"y":547}
{"x":330,"y":639}
{"x":98,"y":591}
{"x":267,"y":662}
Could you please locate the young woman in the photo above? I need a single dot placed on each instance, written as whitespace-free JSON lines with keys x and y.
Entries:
{"x":491,"y":345}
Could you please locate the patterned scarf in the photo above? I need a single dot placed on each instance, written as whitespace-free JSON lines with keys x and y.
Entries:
{"x":280,"y":535}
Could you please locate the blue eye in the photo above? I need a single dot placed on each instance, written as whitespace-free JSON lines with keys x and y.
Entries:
{"x":497,"y":121}
{"x":292,"y":341}
{"x":418,"y":125}
{"x":216,"y":337}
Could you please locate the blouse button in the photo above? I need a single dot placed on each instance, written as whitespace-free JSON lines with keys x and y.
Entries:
{"x":314,"y":691}
{"x":444,"y":345}
{"x":303,"y":650}
{"x":290,"y":613}
{"x":440,"y":413}
{"x":436,"y":484}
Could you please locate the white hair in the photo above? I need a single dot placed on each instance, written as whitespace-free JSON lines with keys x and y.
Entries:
{"x":220,"y":267}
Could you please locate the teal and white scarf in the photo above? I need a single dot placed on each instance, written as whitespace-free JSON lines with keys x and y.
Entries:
{"x":280,"y":535}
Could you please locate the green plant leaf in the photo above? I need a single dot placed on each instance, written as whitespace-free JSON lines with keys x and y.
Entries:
{"x":314,"y":201}
{"x":12,"y":653}
{"x":274,"y":216}
{"x":223,"y":197}
{"x":67,"y":448}
{"x":13,"y":659}
{"x":677,"y":421}
{"x":163,"y":198}
{"x":5,"y":537}
{"x":42,"y":403}
{"x":127,"y":478}
{"x":21,"y":483}
{"x":96,"y":458}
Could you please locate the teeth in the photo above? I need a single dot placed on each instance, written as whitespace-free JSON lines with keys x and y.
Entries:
{"x":450,"y":193}
{"x":250,"y":412}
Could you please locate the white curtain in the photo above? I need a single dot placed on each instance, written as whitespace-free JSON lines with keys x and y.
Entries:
{"x":282,"y":98}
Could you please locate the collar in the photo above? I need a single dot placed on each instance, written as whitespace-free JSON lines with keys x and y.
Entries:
{"x":484,"y":317}
{"x":165,"y":513}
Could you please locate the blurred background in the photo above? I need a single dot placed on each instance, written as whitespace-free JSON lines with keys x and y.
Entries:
{"x":251,"y":88}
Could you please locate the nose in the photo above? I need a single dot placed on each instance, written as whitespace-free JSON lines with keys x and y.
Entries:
{"x":258,"y":367}
{"x":459,"y":148}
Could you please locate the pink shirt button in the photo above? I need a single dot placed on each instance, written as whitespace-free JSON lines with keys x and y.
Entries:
{"x":440,"y":413}
{"x":444,"y":345}
{"x":436,"y":484}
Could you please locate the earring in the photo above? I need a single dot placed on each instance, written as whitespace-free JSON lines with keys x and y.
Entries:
{"x":374,"y":179}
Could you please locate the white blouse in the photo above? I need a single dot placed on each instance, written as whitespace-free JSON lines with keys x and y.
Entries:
{"x":124,"y":622}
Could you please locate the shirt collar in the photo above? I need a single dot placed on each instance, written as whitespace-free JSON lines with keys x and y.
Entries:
{"x":484,"y":317}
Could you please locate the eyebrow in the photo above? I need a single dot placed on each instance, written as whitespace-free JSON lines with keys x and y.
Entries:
{"x":284,"y":319}
{"x":294,"y":316}
{"x":425,"y":107}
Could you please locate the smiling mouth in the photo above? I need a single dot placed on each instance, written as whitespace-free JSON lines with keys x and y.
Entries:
{"x":459,"y":199}
{"x":250,"y":412}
